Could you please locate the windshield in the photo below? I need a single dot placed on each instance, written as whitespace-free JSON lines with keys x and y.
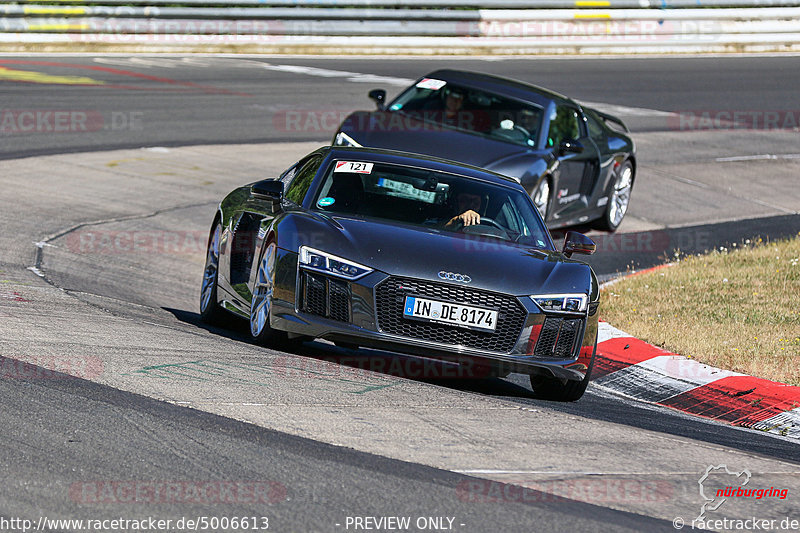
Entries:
{"x":471,"y":110}
{"x":435,"y":200}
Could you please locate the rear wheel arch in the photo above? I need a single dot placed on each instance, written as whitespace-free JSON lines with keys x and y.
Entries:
{"x":217,"y":220}
{"x":620,"y":160}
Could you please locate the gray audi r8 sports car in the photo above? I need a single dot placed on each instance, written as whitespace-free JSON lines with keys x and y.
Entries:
{"x":577,"y":163}
{"x":406,"y":253}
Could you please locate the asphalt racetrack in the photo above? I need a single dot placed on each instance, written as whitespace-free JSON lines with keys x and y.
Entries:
{"x":164,"y":417}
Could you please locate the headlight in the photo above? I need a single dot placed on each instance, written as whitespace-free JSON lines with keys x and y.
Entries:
{"x":330,"y":264}
{"x":343,"y":139}
{"x":562,"y":303}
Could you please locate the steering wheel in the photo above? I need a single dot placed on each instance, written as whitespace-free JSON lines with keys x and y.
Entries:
{"x":490,"y":229}
{"x":522,"y":130}
{"x":486,"y":221}
{"x":515,"y":133}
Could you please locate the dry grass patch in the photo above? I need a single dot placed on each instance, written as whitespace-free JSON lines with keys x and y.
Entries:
{"x":737,"y":309}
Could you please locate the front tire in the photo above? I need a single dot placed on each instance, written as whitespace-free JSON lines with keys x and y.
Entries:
{"x":261,"y":302}
{"x":210,"y":310}
{"x":618,"y":199}
{"x":555,"y":390}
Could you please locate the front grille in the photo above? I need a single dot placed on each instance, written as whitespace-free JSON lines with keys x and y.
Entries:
{"x":390,"y":300}
{"x":326,"y":297}
{"x":558,"y":337}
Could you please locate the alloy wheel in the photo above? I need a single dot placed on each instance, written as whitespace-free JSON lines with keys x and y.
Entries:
{"x":210,"y":272}
{"x":541,"y":197}
{"x":261,"y":304}
{"x":621,"y":195}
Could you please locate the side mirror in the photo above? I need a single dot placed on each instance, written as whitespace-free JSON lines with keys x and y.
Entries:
{"x":578,"y":243}
{"x":379,"y":97}
{"x":570,"y":147}
{"x":271,"y":189}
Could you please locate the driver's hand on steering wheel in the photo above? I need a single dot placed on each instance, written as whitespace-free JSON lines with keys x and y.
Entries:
{"x":467,"y":218}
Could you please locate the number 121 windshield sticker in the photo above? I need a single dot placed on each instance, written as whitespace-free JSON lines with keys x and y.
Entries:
{"x":431,"y":83}
{"x":353,"y":166}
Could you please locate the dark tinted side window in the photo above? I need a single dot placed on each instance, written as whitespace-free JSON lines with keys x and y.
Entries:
{"x":297,"y":189}
{"x":288,"y":175}
{"x":596,"y":131}
{"x":564,"y":126}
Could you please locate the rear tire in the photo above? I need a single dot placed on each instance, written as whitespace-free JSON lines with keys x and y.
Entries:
{"x":618,"y":199}
{"x":210,"y":310}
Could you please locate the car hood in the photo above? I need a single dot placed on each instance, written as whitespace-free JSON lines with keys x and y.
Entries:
{"x":422,"y":253}
{"x":396,"y":131}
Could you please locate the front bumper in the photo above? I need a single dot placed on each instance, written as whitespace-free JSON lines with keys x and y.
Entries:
{"x":364,"y":312}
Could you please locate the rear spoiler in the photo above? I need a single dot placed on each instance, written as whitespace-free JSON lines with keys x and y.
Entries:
{"x":611,"y":118}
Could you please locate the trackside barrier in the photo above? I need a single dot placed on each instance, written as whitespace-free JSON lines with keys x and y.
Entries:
{"x":408,"y":26}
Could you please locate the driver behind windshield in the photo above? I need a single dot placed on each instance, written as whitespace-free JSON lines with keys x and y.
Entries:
{"x":467,"y":206}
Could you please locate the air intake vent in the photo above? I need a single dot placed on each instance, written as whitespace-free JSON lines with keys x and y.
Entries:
{"x":326,"y":297}
{"x":558,"y":338}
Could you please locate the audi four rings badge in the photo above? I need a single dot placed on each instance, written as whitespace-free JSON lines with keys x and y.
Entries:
{"x":453,"y":276}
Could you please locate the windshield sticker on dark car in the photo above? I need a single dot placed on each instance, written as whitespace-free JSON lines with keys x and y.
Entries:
{"x":326,"y":202}
{"x":353,"y":166}
{"x":406,"y":190}
{"x":431,"y":83}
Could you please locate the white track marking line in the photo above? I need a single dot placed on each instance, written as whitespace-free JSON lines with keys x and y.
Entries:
{"x":685,"y":369}
{"x":172,"y":62}
{"x":116,"y":61}
{"x":154,"y":62}
{"x":757,"y":157}
{"x":626,"y":111}
{"x":36,"y":271}
{"x":359,"y":77}
{"x":160,"y":62}
{"x":356,"y":77}
{"x":606,"y":331}
{"x":580,"y":473}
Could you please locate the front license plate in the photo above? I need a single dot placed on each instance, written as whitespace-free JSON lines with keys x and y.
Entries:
{"x":450,"y":313}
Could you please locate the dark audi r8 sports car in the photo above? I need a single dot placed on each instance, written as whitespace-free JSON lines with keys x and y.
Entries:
{"x":408,"y":253}
{"x":578,"y":164}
